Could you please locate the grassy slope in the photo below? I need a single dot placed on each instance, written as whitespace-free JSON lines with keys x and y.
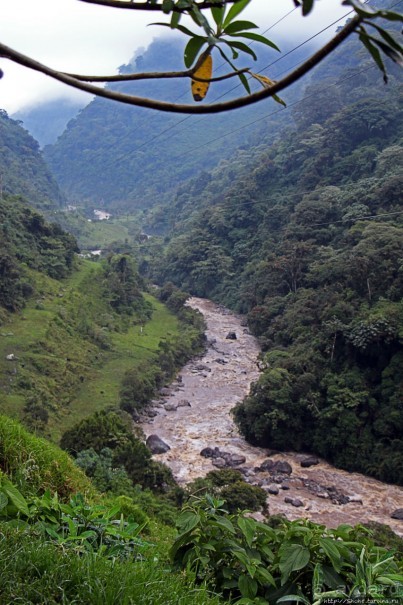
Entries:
{"x":35,"y":570}
{"x":129,"y":349}
{"x":86,"y":378}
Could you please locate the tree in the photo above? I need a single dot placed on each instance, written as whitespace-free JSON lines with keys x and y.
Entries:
{"x":220,"y":28}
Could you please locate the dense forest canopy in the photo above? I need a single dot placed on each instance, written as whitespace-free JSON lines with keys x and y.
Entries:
{"x":305,"y":236}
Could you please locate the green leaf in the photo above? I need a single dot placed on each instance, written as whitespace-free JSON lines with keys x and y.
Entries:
{"x":15,"y":496}
{"x":225,"y":524}
{"x":242,"y":47}
{"x":375,"y":54}
{"x":332,"y":552}
{"x":237,"y":26}
{"x":247,"y":527}
{"x":192,"y":50}
{"x":292,"y":598}
{"x":175,"y":19}
{"x":307,"y":6}
{"x":218,"y":14}
{"x":257,"y":38}
{"x":247,"y":586}
{"x":167,"y":6}
{"x":244,"y":82}
{"x":3,"y":501}
{"x":235,"y":10}
{"x":360,"y":9}
{"x":265,"y":576}
{"x":387,"y":37}
{"x":181,"y":28}
{"x":188,"y":521}
{"x":292,"y":558}
{"x":279,"y":100}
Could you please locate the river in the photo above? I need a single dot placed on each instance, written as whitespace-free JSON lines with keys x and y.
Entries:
{"x":199,"y":416}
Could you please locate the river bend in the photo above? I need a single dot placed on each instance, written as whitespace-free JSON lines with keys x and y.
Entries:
{"x":212,"y":385}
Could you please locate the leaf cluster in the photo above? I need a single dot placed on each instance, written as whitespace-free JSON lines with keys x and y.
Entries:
{"x":297,"y":561}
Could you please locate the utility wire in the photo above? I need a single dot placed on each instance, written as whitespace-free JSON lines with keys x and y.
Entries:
{"x":186,"y":118}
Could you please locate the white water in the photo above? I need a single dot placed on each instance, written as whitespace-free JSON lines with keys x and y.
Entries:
{"x":208,"y":422}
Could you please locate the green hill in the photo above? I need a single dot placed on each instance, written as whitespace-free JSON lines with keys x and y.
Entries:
{"x":22,"y":168}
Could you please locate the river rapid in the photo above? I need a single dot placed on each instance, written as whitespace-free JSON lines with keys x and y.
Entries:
{"x":212,"y":385}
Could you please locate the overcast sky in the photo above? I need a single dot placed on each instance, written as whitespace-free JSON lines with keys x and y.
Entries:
{"x":74,"y":36}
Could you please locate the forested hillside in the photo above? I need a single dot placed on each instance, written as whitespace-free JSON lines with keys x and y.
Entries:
{"x":306,"y":237}
{"x":22,"y":169}
{"x":128,"y":157}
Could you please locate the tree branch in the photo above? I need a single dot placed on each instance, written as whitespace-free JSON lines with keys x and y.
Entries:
{"x":155,"y":76}
{"x":146,"y":6}
{"x":266,"y":93}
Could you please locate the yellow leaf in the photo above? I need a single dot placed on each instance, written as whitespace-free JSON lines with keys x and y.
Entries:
{"x":265,"y":82}
{"x":204,"y":71}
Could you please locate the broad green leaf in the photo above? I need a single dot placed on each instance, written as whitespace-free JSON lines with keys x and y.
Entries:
{"x":331,"y":550}
{"x":257,"y":38}
{"x":265,"y":576}
{"x":235,"y":10}
{"x":192,"y":50}
{"x":238,"y":26}
{"x":15,"y":496}
{"x":225,"y":524}
{"x":188,"y":521}
{"x":218,"y":14}
{"x":292,"y":558}
{"x":247,"y":527}
{"x":248,"y":586}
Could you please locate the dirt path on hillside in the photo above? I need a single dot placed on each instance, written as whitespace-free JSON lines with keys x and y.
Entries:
{"x":199,"y":416}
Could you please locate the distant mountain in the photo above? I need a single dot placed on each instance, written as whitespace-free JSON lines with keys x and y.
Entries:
{"x":22,"y":168}
{"x":127,"y":157}
{"x":48,"y":120}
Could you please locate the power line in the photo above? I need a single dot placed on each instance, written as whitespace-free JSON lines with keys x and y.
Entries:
{"x":186,"y":118}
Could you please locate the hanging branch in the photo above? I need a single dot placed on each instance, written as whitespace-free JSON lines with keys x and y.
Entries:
{"x":107,"y":93}
{"x":148,"y":6}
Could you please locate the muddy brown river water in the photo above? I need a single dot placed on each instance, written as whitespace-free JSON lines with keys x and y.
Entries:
{"x":212,"y":385}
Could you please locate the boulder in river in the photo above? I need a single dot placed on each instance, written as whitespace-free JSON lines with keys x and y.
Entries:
{"x":231,"y":336}
{"x":281,"y":466}
{"x":309,"y":461}
{"x":184,"y":403}
{"x":171,"y":407}
{"x":156,"y":445}
{"x":397,"y":514}
{"x":293,"y":501}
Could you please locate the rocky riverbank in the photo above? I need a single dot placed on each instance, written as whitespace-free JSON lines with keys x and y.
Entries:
{"x":193,"y":418}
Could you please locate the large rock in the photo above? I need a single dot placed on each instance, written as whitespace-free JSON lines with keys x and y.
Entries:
{"x":156,"y":445}
{"x":231,"y":336}
{"x":309,"y":461}
{"x":222,"y":459}
{"x":293,"y":501}
{"x":171,"y":407}
{"x":397,"y":514}
{"x":283,"y":467}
